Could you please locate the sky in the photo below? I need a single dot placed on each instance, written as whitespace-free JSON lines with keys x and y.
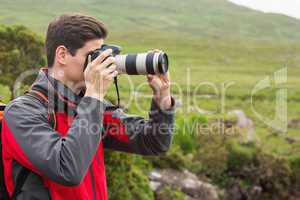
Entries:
{"x":287,"y":7}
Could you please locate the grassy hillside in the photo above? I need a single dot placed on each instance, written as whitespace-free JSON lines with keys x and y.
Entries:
{"x":217,"y":18}
{"x":208,"y":41}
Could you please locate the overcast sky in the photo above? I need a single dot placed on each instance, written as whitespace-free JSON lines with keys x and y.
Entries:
{"x":287,"y":7}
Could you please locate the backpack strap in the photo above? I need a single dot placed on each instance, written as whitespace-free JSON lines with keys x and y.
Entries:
{"x":3,"y":191}
{"x":24,"y":173}
{"x":43,"y":98}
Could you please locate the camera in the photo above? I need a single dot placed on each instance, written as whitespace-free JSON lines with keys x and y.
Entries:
{"x":135,"y":64}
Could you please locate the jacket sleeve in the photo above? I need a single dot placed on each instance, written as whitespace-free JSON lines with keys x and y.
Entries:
{"x":134,"y":134}
{"x":66,"y":159}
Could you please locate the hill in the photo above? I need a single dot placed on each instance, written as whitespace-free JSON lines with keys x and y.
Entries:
{"x":218,"y":18}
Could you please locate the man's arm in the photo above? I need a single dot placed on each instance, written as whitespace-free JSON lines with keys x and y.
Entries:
{"x":147,"y":137}
{"x":32,"y":142}
{"x":134,"y":134}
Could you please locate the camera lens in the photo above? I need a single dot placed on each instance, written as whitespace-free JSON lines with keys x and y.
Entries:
{"x":142,"y":63}
{"x":163,"y":63}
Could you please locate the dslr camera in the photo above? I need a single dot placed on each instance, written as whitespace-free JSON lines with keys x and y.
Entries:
{"x":135,"y":64}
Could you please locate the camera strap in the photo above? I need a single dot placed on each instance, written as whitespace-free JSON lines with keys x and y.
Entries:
{"x":117,"y":90}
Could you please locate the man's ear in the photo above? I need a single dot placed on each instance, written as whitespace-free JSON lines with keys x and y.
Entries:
{"x":61,"y":54}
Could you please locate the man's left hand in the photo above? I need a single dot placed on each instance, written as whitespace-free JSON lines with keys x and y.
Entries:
{"x":160,"y":85}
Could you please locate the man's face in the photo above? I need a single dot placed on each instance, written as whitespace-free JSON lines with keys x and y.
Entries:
{"x":74,"y":69}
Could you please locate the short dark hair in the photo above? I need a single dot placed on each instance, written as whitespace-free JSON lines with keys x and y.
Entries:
{"x":72,"y":31}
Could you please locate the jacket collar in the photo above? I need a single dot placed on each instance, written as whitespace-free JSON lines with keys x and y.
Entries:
{"x":54,"y":88}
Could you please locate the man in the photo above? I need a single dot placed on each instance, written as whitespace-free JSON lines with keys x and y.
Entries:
{"x":66,"y":159}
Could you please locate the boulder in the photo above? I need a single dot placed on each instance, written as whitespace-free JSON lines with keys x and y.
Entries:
{"x":185,"y":181}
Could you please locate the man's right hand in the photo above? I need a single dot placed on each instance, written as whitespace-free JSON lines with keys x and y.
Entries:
{"x":98,"y":76}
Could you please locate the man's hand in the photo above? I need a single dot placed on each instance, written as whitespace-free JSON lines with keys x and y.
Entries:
{"x":160,"y":85}
{"x":99,"y":75}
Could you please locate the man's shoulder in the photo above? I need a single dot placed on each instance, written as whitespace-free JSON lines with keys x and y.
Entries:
{"x":23,"y":104}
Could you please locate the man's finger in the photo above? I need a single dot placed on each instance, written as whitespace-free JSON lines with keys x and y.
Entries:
{"x":165,"y":77}
{"x":102,"y":57}
{"x":110,"y":69}
{"x":149,"y":77}
{"x":89,"y":60}
{"x":113,"y":74}
{"x":106,"y":63}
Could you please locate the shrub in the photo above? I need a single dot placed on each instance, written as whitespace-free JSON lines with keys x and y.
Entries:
{"x":186,"y":131}
{"x":20,"y":50}
{"x":127,"y":177}
{"x":273,"y":175}
{"x":295,"y":166}
{"x":168,"y":193}
{"x":241,"y":156}
{"x":174,"y":159}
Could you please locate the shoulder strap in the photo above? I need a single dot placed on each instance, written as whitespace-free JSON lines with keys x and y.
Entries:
{"x":2,"y":108}
{"x":21,"y":177}
{"x":24,"y":173}
{"x":3,"y":191}
{"x":117,"y":90}
{"x":43,"y":98}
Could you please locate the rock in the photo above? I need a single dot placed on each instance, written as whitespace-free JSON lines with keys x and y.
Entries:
{"x":291,"y":140}
{"x":154,"y":175}
{"x":155,"y":185}
{"x":186,"y":181}
{"x":294,"y":123}
{"x":246,"y":123}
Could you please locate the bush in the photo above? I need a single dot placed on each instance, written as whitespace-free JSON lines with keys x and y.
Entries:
{"x":186,"y":131}
{"x":214,"y":158}
{"x":168,"y":193}
{"x":127,"y":177}
{"x":20,"y":50}
{"x":295,"y":166}
{"x":174,"y":159}
{"x":241,"y":156}
{"x":212,"y":152}
{"x":5,"y":94}
{"x":257,"y":168}
{"x":273,"y":175}
{"x":227,"y":159}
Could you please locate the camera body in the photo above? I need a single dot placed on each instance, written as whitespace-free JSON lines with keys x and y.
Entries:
{"x":135,"y":64}
{"x":116,"y":50}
